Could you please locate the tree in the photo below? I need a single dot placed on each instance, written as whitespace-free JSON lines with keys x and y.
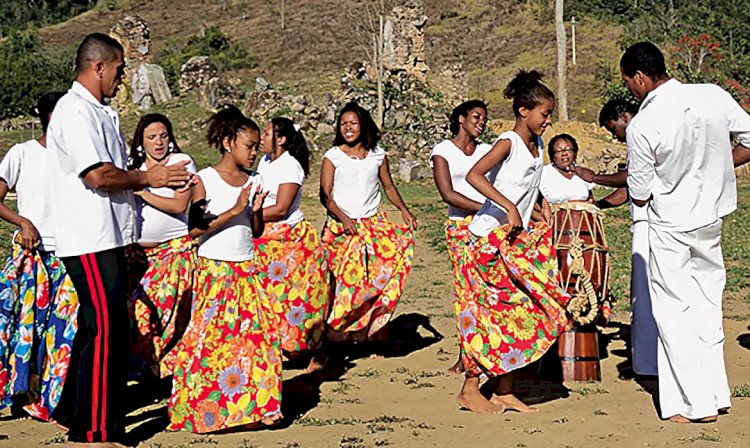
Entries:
{"x":367,"y":18}
{"x":562,"y":62}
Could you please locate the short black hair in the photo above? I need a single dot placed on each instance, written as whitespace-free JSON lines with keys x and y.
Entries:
{"x":369,"y":134}
{"x":613,"y":109}
{"x":97,"y":46}
{"x":462,"y":110}
{"x":557,"y":138}
{"x":44,"y":107}
{"x":644,"y":57}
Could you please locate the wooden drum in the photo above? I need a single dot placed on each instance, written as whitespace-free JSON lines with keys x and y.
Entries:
{"x":583,"y":257}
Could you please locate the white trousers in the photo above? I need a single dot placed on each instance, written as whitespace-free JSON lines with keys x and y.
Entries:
{"x":687,"y":284}
{"x":643,"y":330}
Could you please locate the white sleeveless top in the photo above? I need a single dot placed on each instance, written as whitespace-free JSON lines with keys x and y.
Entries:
{"x":154,"y":225}
{"x":356,"y":182}
{"x":517,"y":178}
{"x":459,"y":165}
{"x":284,"y":170}
{"x":234,"y":241}
{"x":557,"y":188}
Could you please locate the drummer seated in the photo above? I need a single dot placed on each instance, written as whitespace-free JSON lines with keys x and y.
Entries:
{"x":559,"y":185}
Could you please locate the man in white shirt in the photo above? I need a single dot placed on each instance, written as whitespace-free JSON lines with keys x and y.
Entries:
{"x":92,"y":207}
{"x":615,"y":117}
{"x":681,"y":166}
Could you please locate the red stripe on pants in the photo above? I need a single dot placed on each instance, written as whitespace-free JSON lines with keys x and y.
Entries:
{"x":97,"y":348}
{"x":105,"y":320}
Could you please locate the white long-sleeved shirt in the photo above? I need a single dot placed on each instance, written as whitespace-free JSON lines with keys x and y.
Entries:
{"x":680,"y":154}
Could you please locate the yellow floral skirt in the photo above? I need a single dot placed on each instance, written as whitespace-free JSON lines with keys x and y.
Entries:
{"x":227,"y":368}
{"x":368,"y":270}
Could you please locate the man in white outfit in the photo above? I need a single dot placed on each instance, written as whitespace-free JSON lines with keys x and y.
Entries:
{"x":681,"y":167}
{"x":615,"y":117}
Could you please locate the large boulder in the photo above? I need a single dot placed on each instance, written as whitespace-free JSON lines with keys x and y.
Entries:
{"x":149,"y":86}
{"x":199,"y":74}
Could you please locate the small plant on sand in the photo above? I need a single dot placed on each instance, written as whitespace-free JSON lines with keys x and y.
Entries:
{"x":742,"y":391}
{"x":706,"y":437}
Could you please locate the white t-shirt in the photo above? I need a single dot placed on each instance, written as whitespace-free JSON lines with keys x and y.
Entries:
{"x":82,"y":134}
{"x":517,"y":178}
{"x":284,"y":170}
{"x":557,"y":188}
{"x":25,"y":169}
{"x":234,"y":241}
{"x":356,"y":182}
{"x":459,"y":165}
{"x":154,"y":225}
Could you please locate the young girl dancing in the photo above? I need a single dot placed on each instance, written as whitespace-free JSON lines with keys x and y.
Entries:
{"x":161,"y":300}
{"x":38,"y":304}
{"x":451,"y":161}
{"x":369,"y":257}
{"x":512,"y":309}
{"x":227,"y":371}
{"x":289,"y":252}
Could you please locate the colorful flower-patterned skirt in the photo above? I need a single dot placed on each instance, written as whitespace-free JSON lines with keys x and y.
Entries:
{"x":457,"y":236}
{"x":369,"y":271}
{"x":511,"y":307}
{"x":294,"y":263}
{"x":161,"y":302}
{"x":38,"y":321}
{"x":227,"y":369}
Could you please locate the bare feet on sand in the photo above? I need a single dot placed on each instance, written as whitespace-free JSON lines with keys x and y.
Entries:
{"x":315,"y":365}
{"x":94,"y":445}
{"x":682,"y":419}
{"x":512,"y":403}
{"x":475,"y":402}
{"x":457,"y":368}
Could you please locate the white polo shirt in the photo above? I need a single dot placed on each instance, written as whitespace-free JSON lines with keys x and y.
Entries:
{"x":680,"y":151}
{"x":24,"y":168}
{"x":82,"y":134}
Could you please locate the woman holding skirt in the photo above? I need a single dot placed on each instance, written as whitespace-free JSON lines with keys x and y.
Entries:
{"x":369,"y":257}
{"x":38,"y":304}
{"x":451,"y":161}
{"x":512,"y":309}
{"x":289,"y":251}
{"x":163,"y":260}
{"x":227,"y":370}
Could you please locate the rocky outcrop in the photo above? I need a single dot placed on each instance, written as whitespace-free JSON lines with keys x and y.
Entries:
{"x":404,"y":47}
{"x":200,"y":75}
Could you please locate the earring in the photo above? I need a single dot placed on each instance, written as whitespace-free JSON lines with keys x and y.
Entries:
{"x":228,"y":150}
{"x":139,"y":150}
{"x":170,"y":147}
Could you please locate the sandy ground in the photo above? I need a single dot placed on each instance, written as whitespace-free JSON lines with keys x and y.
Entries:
{"x":407,"y":400}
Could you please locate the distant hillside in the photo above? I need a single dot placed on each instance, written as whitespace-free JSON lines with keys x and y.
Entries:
{"x":491,"y":39}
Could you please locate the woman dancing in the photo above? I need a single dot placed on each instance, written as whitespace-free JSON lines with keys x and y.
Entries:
{"x":163,"y":261}
{"x":227,"y":371}
{"x":451,"y":161}
{"x":512,"y":309}
{"x":368,"y":256}
{"x":289,"y":252}
{"x":38,"y":304}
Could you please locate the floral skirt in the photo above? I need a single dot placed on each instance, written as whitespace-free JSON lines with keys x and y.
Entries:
{"x":227,"y":366}
{"x":369,"y":272}
{"x":38,"y":321}
{"x":457,"y":236}
{"x":294,"y":263}
{"x":511,"y":307}
{"x":161,"y":301}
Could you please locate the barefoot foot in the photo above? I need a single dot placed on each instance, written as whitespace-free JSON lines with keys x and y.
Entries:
{"x":512,"y":403}
{"x":475,"y":402}
{"x":682,"y":419}
{"x":315,"y":365}
{"x":457,"y":368}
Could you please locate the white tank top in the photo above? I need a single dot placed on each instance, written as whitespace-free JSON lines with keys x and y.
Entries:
{"x":154,"y":225}
{"x":356,"y":182}
{"x":517,"y":178}
{"x":234,"y":241}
